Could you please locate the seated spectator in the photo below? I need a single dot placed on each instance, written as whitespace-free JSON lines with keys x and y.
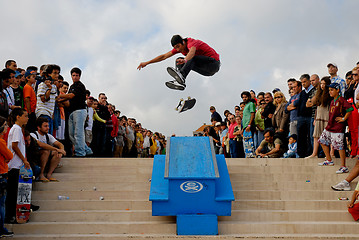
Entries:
{"x":270,"y":147}
{"x":333,"y":134}
{"x":51,"y":153}
{"x":292,"y":147}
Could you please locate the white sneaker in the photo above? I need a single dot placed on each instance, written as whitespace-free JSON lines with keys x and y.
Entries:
{"x":326,"y":163}
{"x":176,"y":75}
{"x":342,"y":170}
{"x":175,"y":85}
{"x":342,"y":186}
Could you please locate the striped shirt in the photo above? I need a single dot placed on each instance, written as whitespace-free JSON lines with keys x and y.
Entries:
{"x":47,"y":107}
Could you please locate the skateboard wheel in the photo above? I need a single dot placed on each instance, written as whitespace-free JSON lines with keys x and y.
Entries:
{"x":176,"y":109}
{"x":181,"y":99}
{"x":189,"y":97}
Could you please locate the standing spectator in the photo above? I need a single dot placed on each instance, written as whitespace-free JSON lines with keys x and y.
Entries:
{"x":146,"y":144}
{"x":249,"y":112}
{"x":290,"y":82}
{"x":260,"y":96}
{"x":16,"y":91}
{"x":8,"y":79}
{"x":120,"y":140}
{"x":11,"y":64}
{"x":304,"y":117}
{"x":215,"y":115}
{"x":16,"y":144}
{"x":5,"y":156}
{"x":280,"y":120}
{"x":60,"y":132}
{"x":269,"y":110}
{"x":333,"y":134}
{"x":46,"y":96}
{"x":333,"y":70}
{"x":233,"y":148}
{"x":99,"y":128}
{"x":30,"y":100}
{"x":353,"y":119}
{"x":293,"y":111}
{"x":153,"y":143}
{"x":259,"y":123}
{"x":4,"y":106}
{"x":52,"y":153}
{"x":77,"y":97}
{"x":322,"y":100}
{"x":314,"y":81}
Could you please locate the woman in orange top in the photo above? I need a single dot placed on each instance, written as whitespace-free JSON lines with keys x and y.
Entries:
{"x":5,"y":157}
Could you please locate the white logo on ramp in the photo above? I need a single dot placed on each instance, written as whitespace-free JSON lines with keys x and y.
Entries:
{"x":191,"y":187}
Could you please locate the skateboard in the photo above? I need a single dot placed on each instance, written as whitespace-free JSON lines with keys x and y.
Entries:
{"x":24,"y":195}
{"x":185,"y":105}
{"x":248,"y":144}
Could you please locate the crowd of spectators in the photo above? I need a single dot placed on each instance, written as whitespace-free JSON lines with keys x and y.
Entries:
{"x":320,"y":120}
{"x":44,"y":118}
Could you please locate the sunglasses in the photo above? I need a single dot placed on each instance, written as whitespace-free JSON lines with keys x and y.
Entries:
{"x":278,"y":97}
{"x":354,"y":74}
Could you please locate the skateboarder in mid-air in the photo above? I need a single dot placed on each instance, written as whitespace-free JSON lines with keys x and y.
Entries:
{"x":199,"y":57}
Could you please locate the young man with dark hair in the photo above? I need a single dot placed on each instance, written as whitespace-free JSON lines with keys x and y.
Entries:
{"x":11,"y":64}
{"x":305,"y":147}
{"x":199,"y":57}
{"x":293,"y":111}
{"x":269,"y":110}
{"x":8,"y":79}
{"x":270,"y":147}
{"x":78,"y":114}
{"x":52,"y":152}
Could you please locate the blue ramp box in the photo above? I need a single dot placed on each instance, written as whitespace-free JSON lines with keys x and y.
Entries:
{"x":193,"y":184}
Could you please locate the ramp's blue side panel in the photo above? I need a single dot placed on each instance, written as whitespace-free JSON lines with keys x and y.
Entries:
{"x":159,"y":185}
{"x":224,"y":190}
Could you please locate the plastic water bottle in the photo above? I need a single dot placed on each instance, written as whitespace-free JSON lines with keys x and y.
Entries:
{"x":63,"y":197}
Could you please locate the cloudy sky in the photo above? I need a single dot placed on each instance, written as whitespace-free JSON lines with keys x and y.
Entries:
{"x":261,"y":44}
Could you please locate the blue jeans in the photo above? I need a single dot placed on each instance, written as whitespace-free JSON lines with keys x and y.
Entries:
{"x":304,"y":148}
{"x":258,"y":138}
{"x":51,"y":123}
{"x":77,"y":132}
{"x":233,"y":149}
{"x":3,"y":183}
{"x":205,"y":66}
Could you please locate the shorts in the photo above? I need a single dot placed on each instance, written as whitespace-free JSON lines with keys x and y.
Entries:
{"x":335,"y":139}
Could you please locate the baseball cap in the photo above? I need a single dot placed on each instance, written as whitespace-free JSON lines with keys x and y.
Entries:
{"x":334,"y":85}
{"x":30,"y":72}
{"x":218,"y":124}
{"x":333,"y":64}
{"x":276,"y":90}
{"x":17,"y":73}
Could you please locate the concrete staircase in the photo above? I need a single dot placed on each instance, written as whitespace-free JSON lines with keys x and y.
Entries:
{"x":275,"y":199}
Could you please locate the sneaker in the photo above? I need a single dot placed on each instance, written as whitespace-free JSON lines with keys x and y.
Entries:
{"x":176,"y":75}
{"x":7,"y":233}
{"x":342,"y":170}
{"x":326,"y":163}
{"x":34,"y":208}
{"x":175,"y":85}
{"x":342,"y":186}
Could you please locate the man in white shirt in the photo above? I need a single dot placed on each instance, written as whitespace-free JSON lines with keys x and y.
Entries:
{"x":51,"y":153}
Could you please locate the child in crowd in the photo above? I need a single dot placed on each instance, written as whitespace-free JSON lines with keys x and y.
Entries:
{"x":16,"y":144}
{"x":292,"y":147}
{"x":60,"y":132}
{"x":353,"y":208}
{"x":333,"y":134}
{"x":5,"y":157}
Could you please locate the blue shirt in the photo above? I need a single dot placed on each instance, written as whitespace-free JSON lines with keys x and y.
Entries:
{"x":293,"y":114}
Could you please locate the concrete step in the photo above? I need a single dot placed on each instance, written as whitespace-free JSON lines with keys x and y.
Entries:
{"x":313,"y":205}
{"x":284,"y":186}
{"x":225,"y":227}
{"x":146,"y":215}
{"x":173,"y":236}
{"x":66,"y":205}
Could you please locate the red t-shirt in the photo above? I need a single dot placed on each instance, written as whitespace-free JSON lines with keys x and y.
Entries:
{"x":338,"y":108}
{"x":202,"y":49}
{"x":231,"y":130}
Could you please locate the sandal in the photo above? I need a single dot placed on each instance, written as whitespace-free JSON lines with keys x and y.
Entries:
{"x":43,"y":180}
{"x":53,"y":180}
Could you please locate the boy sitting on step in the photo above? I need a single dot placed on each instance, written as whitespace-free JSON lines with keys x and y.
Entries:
{"x":292,"y":147}
{"x":353,"y":208}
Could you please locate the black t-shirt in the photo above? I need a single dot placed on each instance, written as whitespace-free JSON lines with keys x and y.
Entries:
{"x":79,"y":101}
{"x":269,"y":109}
{"x":18,"y":96}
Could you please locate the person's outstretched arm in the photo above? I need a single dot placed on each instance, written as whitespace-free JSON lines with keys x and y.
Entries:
{"x":156,"y":59}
